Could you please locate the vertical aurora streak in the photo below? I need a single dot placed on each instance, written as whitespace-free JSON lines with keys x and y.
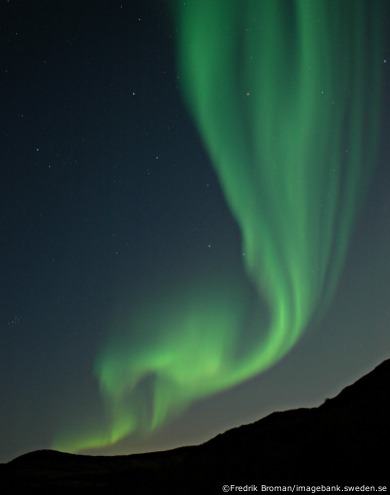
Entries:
{"x":278,"y":91}
{"x":285,"y":95}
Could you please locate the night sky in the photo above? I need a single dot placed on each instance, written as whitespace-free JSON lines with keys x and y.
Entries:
{"x":187,"y":243}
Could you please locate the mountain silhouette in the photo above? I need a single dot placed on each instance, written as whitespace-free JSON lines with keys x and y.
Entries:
{"x":341,"y":443}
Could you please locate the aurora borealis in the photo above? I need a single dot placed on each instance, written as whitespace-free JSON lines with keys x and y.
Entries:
{"x":284,"y":133}
{"x":276,"y":114}
{"x":276,"y":93}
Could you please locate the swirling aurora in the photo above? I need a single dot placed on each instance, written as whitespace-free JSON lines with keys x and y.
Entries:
{"x":285,"y":96}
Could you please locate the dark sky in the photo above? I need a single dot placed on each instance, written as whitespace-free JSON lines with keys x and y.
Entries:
{"x":109,"y":200}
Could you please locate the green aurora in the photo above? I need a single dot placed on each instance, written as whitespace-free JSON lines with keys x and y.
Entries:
{"x":286,"y":96}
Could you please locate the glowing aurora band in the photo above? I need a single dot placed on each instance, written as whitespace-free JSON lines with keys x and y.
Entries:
{"x":285,"y":94}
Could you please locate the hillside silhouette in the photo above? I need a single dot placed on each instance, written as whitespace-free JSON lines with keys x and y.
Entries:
{"x":342,"y":442}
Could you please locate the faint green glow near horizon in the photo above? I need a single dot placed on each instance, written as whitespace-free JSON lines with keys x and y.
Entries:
{"x":285,"y":96}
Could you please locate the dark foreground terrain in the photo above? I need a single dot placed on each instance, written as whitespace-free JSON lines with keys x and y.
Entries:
{"x":345,"y":441}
